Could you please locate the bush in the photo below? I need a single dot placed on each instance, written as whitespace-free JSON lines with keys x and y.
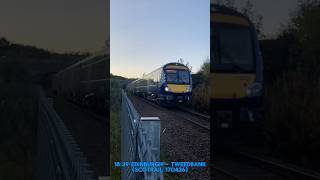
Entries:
{"x":292,"y":102}
{"x":200,"y":92}
{"x":292,"y":115}
{"x":200,"y":98}
{"x":115,"y":95}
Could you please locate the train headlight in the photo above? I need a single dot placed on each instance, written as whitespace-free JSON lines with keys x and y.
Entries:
{"x":254,"y":90}
{"x":189,"y":88}
{"x":167,"y":89}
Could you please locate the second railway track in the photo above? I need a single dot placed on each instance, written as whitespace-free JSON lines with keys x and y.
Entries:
{"x":234,"y":163}
{"x":201,"y":122}
{"x":283,"y":169}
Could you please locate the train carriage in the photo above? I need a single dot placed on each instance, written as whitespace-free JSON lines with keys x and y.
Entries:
{"x":85,"y":82}
{"x":236,"y":81}
{"x":169,"y":85}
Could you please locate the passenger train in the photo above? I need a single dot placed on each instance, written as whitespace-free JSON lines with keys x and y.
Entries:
{"x":85,"y":82}
{"x":169,"y":85}
{"x":236,"y":69}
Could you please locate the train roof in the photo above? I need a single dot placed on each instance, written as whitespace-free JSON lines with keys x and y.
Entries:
{"x":224,"y":10}
{"x":86,"y":60}
{"x":174,"y":64}
{"x":220,"y":9}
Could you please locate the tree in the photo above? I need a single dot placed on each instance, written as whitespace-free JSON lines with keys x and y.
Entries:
{"x":205,"y":71}
{"x":228,"y":3}
{"x":200,"y":96}
{"x":303,"y":33}
{"x":181,"y":60}
{"x":4,"y":42}
{"x":255,"y":17}
{"x":247,"y":10}
{"x":295,"y":118}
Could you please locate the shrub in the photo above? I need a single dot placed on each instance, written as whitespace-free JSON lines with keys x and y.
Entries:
{"x":292,"y":114}
{"x":200,"y":98}
{"x":200,"y":92}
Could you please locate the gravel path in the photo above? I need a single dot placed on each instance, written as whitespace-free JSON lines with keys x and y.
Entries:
{"x":181,"y":141}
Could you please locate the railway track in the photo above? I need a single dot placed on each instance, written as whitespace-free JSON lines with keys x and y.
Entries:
{"x":97,"y":117}
{"x":286,"y":170}
{"x":222,"y":174}
{"x":242,"y":165}
{"x":194,"y":113}
{"x":196,"y":119}
{"x":231,"y":166}
{"x":181,"y":140}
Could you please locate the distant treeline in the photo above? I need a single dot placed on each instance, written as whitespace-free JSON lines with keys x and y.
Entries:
{"x":24,"y":63}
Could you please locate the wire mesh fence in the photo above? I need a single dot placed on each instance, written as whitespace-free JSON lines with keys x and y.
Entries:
{"x":59,"y":157}
{"x":140,"y":141}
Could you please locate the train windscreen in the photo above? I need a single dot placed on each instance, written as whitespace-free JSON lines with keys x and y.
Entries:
{"x":233,"y":46}
{"x":178,"y":76}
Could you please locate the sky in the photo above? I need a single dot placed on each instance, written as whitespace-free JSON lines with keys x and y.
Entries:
{"x":146,"y":34}
{"x":58,"y":25}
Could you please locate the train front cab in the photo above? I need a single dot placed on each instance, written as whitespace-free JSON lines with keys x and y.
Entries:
{"x":236,"y":82}
{"x":176,"y":86}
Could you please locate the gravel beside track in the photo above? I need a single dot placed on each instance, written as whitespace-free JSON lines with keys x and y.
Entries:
{"x":89,"y":133}
{"x":180,"y":140}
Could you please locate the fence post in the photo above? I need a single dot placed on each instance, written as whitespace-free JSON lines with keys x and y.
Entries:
{"x":151,"y":125}
{"x":140,"y":140}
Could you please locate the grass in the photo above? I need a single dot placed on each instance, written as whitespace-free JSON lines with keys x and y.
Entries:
{"x":18,"y":127}
{"x":115,"y":154}
{"x":115,"y":130}
{"x":171,"y":176}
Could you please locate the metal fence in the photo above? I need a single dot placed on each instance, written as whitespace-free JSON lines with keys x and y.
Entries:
{"x":59,"y":157}
{"x":140,"y":141}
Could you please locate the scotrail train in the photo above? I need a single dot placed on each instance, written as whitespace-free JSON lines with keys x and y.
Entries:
{"x":169,"y":85}
{"x":85,"y":82}
{"x":236,"y":82}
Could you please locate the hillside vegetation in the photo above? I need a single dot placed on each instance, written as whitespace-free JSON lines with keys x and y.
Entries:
{"x":22,"y":69}
{"x":24,"y":63}
{"x":292,"y":114}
